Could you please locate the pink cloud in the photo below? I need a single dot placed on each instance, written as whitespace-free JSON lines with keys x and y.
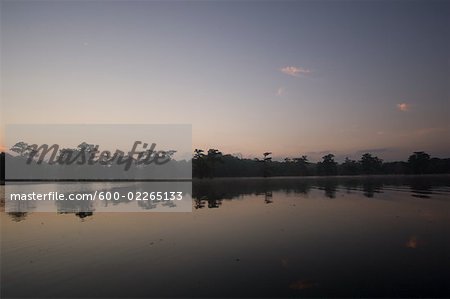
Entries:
{"x":403,"y":107}
{"x":294,"y":71}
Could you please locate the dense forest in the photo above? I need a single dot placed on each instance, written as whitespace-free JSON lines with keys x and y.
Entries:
{"x":213,"y":163}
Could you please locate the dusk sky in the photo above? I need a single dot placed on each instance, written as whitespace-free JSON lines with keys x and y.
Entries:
{"x":293,"y":77}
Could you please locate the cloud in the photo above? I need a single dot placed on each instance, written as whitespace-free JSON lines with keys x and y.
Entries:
{"x":294,"y":71}
{"x":403,"y":107}
{"x":280,"y":91}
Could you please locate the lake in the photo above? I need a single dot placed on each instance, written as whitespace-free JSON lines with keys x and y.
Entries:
{"x":274,"y":237}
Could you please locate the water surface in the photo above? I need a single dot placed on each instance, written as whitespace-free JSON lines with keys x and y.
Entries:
{"x":288,"y":237}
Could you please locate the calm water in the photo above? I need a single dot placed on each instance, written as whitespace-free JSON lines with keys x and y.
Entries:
{"x":377,"y":237}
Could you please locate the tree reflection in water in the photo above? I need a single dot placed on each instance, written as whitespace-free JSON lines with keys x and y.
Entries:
{"x":212,"y":192}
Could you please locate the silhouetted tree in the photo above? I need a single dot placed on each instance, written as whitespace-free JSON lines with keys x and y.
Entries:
{"x":419,"y":162}
{"x":266,"y":160}
{"x":232,"y":166}
{"x":349,"y":167}
{"x":21,"y":148}
{"x":199,"y":165}
{"x":439,"y":165}
{"x":370,"y":164}
{"x":212,"y":158}
{"x":302,"y":165}
{"x":328,"y":166}
{"x":267,"y":157}
{"x":398,"y":167}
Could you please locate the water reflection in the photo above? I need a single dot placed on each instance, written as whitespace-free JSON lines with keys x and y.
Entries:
{"x":287,"y":237}
{"x":412,"y":242}
{"x":18,"y":216}
{"x":100,"y":197}
{"x":211,"y":193}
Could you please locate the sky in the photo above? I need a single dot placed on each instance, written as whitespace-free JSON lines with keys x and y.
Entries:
{"x":290,"y":77}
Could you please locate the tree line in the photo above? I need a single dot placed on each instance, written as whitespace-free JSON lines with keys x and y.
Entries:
{"x":214,"y":163}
